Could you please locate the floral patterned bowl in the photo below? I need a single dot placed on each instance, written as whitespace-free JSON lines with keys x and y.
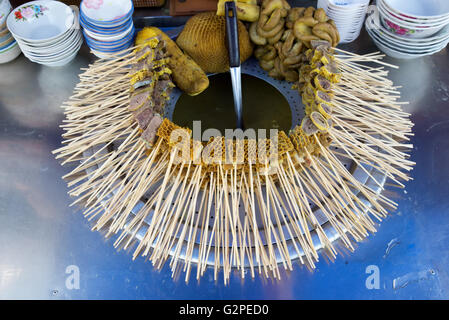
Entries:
{"x":403,"y":28}
{"x":411,"y":20}
{"x":40,"y":21}
{"x":429,"y":10}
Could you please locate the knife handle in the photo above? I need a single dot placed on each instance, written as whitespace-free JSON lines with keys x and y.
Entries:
{"x":232,"y":34}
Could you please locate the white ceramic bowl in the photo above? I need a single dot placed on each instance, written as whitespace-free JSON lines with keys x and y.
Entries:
{"x":109,"y":38}
{"x":46,"y":57}
{"x":10,"y":53}
{"x":5,"y":9}
{"x":106,"y":55}
{"x":54,"y":47}
{"x":420,"y":8}
{"x":407,"y":44}
{"x":406,"y":20}
{"x":344,"y":6}
{"x":59,"y":63}
{"x":404,"y":29}
{"x":399,"y":53}
{"x":40,"y":21}
{"x":53,"y":42}
{"x":409,"y":51}
{"x":407,"y":48}
{"x":396,"y":54}
{"x":385,"y":34}
{"x":348,"y":16}
{"x":53,"y":50}
{"x":106,"y":10}
{"x":411,"y":19}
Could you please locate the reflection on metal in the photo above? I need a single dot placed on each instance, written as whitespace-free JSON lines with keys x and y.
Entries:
{"x":236,"y":78}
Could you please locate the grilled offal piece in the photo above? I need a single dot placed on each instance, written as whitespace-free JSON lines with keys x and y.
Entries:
{"x":151,"y":85}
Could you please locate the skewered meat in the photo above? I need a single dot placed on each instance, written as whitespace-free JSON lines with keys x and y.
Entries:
{"x":319,"y":121}
{"x":144,"y":53}
{"x":143,"y":117}
{"x":160,"y":95}
{"x":149,"y":135}
{"x":308,"y":126}
{"x":139,"y":98}
{"x":151,"y":79}
{"x":322,"y":83}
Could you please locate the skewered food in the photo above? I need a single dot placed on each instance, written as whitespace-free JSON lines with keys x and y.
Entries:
{"x":143,"y":117}
{"x":149,"y":134}
{"x":187,"y":75}
{"x":140,"y":98}
{"x":204,"y":39}
{"x":153,"y":76}
{"x":308,"y":126}
{"x":319,"y":121}
{"x":132,"y":182}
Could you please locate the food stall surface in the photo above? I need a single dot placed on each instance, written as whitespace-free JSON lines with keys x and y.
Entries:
{"x":47,"y":246}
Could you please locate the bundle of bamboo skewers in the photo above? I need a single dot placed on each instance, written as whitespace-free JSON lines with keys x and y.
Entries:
{"x":231,"y":216}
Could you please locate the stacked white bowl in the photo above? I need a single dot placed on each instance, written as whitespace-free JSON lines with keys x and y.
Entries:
{"x":348,"y":15}
{"x":9,"y":49}
{"x":407,"y":29}
{"x":47,"y":32}
{"x":107,"y":25}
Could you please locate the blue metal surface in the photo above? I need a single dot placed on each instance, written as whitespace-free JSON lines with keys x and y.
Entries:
{"x":41,"y":236}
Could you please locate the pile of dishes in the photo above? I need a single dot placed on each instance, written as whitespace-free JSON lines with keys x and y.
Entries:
{"x":47,"y":32}
{"x":348,"y":15}
{"x":408,"y":29}
{"x":107,"y":25}
{"x":9,"y":49}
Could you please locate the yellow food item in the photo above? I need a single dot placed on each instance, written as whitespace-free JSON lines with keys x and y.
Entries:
{"x":319,"y":121}
{"x":255,"y":37}
{"x":247,"y":10}
{"x":204,"y":39}
{"x":324,"y":109}
{"x":187,"y":75}
{"x":245,"y":1}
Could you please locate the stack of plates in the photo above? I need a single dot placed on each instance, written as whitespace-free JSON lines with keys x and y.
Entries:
{"x":9,"y":49}
{"x":107,"y":25}
{"x":47,"y":32}
{"x":399,"y":37}
{"x":348,"y":15}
